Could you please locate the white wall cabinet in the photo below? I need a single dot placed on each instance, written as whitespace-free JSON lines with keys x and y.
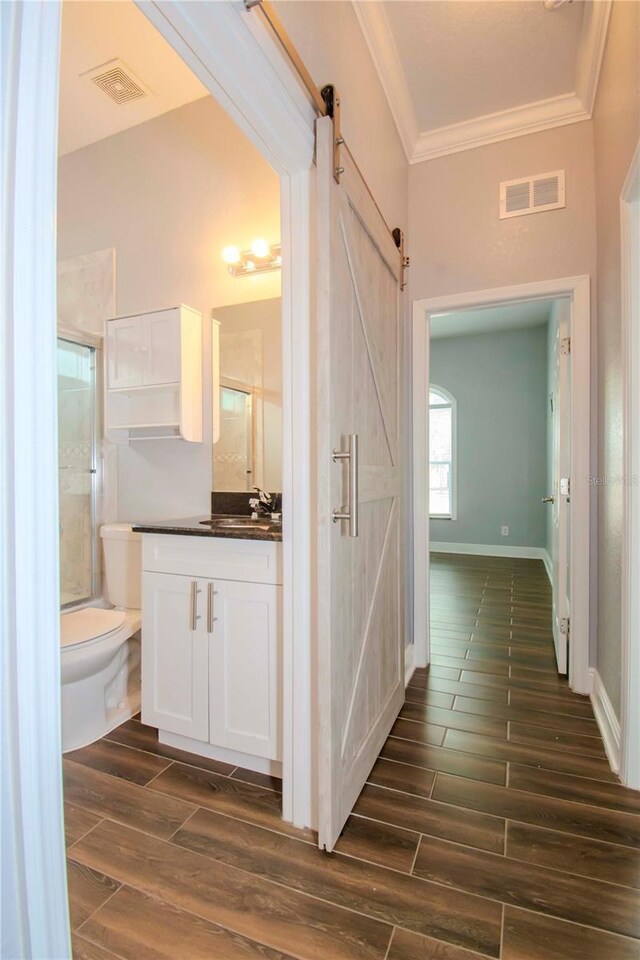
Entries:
{"x":154,"y":375}
{"x":211,"y":661}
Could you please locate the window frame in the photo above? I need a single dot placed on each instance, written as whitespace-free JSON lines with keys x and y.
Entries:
{"x":451,"y":405}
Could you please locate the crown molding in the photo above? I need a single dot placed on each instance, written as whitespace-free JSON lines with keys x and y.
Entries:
{"x":382,"y":47}
{"x":504,"y":125}
{"x":491,"y":128}
{"x":592,"y":43}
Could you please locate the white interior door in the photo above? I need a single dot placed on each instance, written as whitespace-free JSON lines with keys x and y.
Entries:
{"x":561,"y":454}
{"x":360,"y":578}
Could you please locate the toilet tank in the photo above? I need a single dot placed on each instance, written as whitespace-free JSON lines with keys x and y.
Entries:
{"x":122,"y":565}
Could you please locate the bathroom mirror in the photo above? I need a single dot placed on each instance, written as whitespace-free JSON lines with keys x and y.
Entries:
{"x":248,"y":452}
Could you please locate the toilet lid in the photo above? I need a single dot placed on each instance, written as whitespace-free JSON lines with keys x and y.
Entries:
{"x":88,"y":624}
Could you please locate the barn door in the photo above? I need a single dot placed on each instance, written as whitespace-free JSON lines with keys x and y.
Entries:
{"x":360,"y":548}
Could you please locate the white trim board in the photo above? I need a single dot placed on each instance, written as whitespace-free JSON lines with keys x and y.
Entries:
{"x":630,"y":302}
{"x":571,"y":107}
{"x":503,"y":125}
{"x":35,"y":914}
{"x":608,"y":723}
{"x":577,"y":291}
{"x":409,"y":666}
{"x":488,"y":550}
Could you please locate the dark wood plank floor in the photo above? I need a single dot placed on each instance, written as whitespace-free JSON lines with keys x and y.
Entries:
{"x":491,"y":824}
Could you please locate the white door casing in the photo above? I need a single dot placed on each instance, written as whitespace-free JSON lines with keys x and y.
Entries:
{"x":360,"y":579}
{"x":582,"y":458}
{"x":630,"y":298}
{"x":561,"y":466}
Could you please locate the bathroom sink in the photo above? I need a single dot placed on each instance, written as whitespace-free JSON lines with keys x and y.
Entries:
{"x":237,"y":523}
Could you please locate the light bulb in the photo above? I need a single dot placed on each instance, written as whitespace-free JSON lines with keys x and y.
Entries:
{"x":249,"y":265}
{"x":260,"y":248}
{"x":231,"y":255}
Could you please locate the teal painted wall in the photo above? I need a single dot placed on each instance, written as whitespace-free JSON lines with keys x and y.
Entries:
{"x":499,"y":381}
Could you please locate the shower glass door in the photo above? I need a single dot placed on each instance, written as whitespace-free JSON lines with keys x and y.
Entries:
{"x":77,"y":471}
{"x":233,"y":452}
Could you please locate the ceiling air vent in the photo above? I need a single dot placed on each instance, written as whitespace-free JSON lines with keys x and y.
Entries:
{"x":533,"y":195}
{"x":117,"y":82}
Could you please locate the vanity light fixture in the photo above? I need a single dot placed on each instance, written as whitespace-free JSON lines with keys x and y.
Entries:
{"x":261,"y":258}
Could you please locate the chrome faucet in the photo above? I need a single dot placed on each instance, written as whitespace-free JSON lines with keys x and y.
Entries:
{"x":266,"y":503}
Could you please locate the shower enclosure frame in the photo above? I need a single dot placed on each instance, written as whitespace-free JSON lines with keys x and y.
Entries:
{"x":94,"y":342}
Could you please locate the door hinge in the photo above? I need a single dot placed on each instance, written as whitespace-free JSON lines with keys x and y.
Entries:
{"x":565,"y":626}
{"x":332,"y":103}
{"x":565,"y":346}
{"x":398,"y":238}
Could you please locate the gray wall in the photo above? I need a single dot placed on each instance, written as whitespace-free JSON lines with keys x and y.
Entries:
{"x":499,"y":381}
{"x":332,"y":45}
{"x":616,"y":131}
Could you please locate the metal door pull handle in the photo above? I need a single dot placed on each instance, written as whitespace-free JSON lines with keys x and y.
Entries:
{"x":546,"y":499}
{"x":193,"y":605}
{"x":210,"y":617}
{"x":351,"y":511}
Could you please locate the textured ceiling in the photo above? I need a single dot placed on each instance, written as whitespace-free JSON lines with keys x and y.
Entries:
{"x":95,"y":32}
{"x":512,"y":316}
{"x":468,"y":58}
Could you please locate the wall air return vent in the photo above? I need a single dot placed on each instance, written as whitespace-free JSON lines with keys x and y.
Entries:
{"x":117,"y":82}
{"x":533,"y":195}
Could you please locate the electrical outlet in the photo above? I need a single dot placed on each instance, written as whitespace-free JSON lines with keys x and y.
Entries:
{"x":504,"y":531}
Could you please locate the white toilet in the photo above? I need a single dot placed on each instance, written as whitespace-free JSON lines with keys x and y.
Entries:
{"x":100,"y":655}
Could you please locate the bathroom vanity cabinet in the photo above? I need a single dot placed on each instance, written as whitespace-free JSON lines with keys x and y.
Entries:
{"x":211,"y":647}
{"x":154,"y":375}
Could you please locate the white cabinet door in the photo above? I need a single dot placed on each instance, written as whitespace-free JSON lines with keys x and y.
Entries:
{"x":125,"y":353}
{"x":161,"y":347}
{"x":244,"y":667}
{"x":175,"y":655}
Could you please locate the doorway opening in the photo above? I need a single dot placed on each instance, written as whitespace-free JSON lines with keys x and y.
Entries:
{"x":169,"y":195}
{"x":501,"y":457}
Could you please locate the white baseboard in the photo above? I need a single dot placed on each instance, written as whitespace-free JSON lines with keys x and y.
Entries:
{"x":608,"y":723}
{"x":546,"y":559}
{"x":409,"y":665}
{"x":489,"y":550}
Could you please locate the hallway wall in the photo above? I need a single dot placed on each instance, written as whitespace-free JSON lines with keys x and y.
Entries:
{"x":458,"y":243}
{"x":331,"y":43}
{"x":616,"y":133}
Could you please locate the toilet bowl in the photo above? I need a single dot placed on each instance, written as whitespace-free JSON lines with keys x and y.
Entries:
{"x":100,"y":648}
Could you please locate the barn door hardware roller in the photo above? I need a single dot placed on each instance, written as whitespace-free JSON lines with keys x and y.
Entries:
{"x":326,"y":102}
{"x":398,"y":236}
{"x":332,"y":103}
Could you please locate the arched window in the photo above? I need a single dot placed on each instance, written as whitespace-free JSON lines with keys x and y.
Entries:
{"x":442,"y":453}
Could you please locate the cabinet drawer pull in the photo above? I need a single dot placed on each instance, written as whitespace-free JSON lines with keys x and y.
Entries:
{"x":210,"y":593}
{"x":193,"y":605}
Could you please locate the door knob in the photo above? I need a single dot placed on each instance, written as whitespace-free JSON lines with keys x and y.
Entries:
{"x":546,"y":499}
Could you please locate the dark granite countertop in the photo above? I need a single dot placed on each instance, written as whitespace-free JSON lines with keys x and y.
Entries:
{"x":207,"y":527}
